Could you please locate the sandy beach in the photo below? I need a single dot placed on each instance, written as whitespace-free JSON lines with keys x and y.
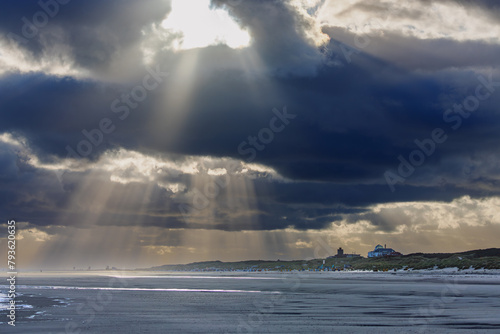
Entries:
{"x":296,"y":302}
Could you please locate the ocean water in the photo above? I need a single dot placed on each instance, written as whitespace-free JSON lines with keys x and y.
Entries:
{"x":135,"y":302}
{"x":4,"y":302}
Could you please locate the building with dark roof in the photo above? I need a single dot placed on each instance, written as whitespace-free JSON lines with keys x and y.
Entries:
{"x":341,"y":254}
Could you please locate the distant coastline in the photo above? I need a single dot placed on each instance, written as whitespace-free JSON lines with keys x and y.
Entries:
{"x":474,"y":259}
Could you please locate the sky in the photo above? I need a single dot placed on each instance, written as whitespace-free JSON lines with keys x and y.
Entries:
{"x":142,"y":133}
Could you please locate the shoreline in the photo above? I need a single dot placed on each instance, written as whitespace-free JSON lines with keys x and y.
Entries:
{"x":408,"y":271}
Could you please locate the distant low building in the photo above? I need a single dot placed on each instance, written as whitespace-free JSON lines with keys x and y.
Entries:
{"x":383,"y":251}
{"x":340,"y":253}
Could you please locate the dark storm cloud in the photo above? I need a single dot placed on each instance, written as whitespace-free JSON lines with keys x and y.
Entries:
{"x":95,"y":32}
{"x":38,"y":196}
{"x":51,"y":112}
{"x":279,"y":34}
{"x":28,"y":193}
{"x":328,"y":140}
{"x":336,"y":136}
{"x":352,"y":119}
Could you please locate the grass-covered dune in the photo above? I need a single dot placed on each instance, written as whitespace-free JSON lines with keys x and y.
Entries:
{"x":477,"y":259}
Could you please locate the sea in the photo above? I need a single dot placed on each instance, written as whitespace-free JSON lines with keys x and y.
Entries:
{"x":252,"y":302}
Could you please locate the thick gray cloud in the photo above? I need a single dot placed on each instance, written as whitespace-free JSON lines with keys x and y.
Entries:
{"x":95,"y":35}
{"x":355,"y":111}
{"x":279,"y":35}
{"x":412,"y":53}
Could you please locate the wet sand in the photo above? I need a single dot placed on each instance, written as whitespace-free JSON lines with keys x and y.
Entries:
{"x":235,"y":302}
